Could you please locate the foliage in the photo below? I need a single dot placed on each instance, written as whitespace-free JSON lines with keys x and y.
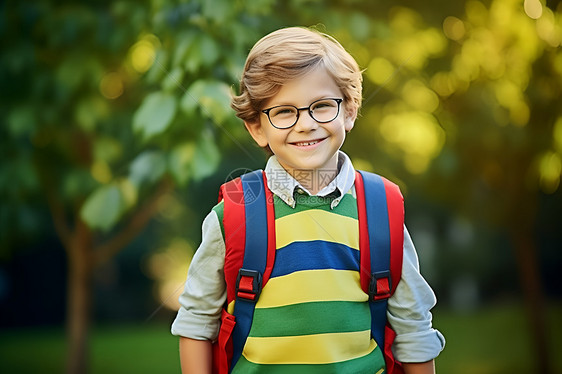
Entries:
{"x":65,"y":116}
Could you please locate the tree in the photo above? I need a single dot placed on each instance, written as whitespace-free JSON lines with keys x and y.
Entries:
{"x":66,"y":137}
{"x":103,"y":118}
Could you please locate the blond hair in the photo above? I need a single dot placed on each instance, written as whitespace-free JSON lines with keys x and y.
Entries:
{"x":290,"y":53}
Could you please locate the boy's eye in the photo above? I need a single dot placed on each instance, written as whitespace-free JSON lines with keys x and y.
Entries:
{"x":282,"y":111}
{"x":325,"y":104}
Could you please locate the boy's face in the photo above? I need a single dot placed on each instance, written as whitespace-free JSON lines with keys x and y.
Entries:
{"x":308,"y":145}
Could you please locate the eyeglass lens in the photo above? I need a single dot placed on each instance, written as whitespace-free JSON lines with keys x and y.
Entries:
{"x":322,"y":111}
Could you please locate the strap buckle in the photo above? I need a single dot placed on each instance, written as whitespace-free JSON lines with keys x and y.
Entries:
{"x":379,"y":286}
{"x":248,"y":285}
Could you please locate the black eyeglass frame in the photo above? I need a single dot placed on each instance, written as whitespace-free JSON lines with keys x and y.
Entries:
{"x":337,"y":100}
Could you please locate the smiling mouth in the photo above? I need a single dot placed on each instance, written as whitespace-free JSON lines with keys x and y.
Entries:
{"x":307,"y":143}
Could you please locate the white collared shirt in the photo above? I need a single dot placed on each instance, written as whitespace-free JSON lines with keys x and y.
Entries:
{"x":284,"y":185}
{"x":205,"y":291}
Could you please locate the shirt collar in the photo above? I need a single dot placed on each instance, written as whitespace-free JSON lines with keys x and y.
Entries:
{"x":284,"y":185}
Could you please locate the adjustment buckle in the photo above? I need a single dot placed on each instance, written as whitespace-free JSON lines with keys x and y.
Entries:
{"x":248,"y":285}
{"x":379,"y":286}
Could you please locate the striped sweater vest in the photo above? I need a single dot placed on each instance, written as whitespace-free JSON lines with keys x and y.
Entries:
{"x":312,"y":315}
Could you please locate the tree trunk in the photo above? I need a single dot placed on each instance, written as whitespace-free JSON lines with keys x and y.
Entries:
{"x":82,"y":261}
{"x":526,"y":256}
{"x":79,"y":294}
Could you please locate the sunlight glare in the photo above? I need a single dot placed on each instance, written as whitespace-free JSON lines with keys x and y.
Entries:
{"x":111,"y":85}
{"x":533,"y":8}
{"x":101,"y":172}
{"x":380,"y":70}
{"x":550,"y":168}
{"x":453,"y":28}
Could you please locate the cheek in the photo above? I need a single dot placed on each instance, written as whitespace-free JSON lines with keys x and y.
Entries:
{"x":338,"y":128}
{"x":276,"y":137}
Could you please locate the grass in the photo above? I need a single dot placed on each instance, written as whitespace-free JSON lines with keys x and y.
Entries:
{"x":487,"y":341}
{"x":494,"y":341}
{"x":114,"y":349}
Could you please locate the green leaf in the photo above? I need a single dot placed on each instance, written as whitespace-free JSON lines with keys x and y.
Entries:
{"x":173,"y":80}
{"x":206,"y":158}
{"x":212,"y":97}
{"x":103,"y":209}
{"x":179,"y":162}
{"x":129,"y":192}
{"x":76,"y":181}
{"x":148,"y":167}
{"x":71,"y":71}
{"x":359,"y":25}
{"x":155,"y":114}
{"x":107,"y":149}
{"x":21,"y":121}
{"x":217,"y":10}
{"x":89,"y":111}
{"x":183,"y":47}
{"x":18,"y":177}
{"x":209,"y":50}
{"x":194,"y":161}
{"x":193,"y":56}
{"x":190,"y":100}
{"x":156,"y":73}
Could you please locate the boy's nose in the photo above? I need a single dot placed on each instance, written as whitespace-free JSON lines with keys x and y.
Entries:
{"x":305,"y":123}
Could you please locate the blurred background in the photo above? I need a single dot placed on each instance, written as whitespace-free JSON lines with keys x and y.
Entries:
{"x":116,"y":133}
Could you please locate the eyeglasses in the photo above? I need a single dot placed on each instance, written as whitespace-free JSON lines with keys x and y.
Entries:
{"x":286,"y":116}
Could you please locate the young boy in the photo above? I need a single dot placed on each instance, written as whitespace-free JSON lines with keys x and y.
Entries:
{"x":299,"y":96}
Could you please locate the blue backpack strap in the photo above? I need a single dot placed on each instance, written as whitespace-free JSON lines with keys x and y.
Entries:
{"x":379,"y":245}
{"x":249,"y":281}
{"x":380,"y":208}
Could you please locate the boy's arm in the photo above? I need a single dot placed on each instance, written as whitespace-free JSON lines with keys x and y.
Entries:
{"x":204,"y":295}
{"x":195,"y":356}
{"x":419,"y":368}
{"x":204,"y":292}
{"x":409,"y":313}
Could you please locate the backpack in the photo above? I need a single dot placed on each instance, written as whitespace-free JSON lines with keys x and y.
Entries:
{"x":249,"y":227}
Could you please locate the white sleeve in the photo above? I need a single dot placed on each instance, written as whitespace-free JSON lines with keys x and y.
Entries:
{"x":205,"y":290}
{"x":409,"y":312}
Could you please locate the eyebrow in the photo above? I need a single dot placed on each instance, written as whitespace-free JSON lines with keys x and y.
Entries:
{"x":320,"y":97}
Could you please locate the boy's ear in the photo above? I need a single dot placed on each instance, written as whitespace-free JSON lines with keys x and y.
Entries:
{"x":350,"y":117}
{"x":257,"y":133}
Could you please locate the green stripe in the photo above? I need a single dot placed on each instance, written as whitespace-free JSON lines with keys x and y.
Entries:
{"x":347,"y":206}
{"x":311,"y":318}
{"x":219,"y":210}
{"x":368,"y":364}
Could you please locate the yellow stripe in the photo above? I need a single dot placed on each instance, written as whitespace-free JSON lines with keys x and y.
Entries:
{"x":380,"y":371}
{"x":317,"y":225}
{"x":309,"y":349}
{"x":312,"y":285}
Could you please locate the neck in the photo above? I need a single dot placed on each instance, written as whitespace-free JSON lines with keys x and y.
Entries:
{"x":314,"y":180}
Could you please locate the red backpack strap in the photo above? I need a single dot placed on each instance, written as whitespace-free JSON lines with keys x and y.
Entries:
{"x":381,"y":239}
{"x":249,"y":228}
{"x":395,"y":204}
{"x":234,"y":224}
{"x":376,"y":195}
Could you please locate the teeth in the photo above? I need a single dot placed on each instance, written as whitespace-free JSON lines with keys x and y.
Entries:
{"x":307,"y":143}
